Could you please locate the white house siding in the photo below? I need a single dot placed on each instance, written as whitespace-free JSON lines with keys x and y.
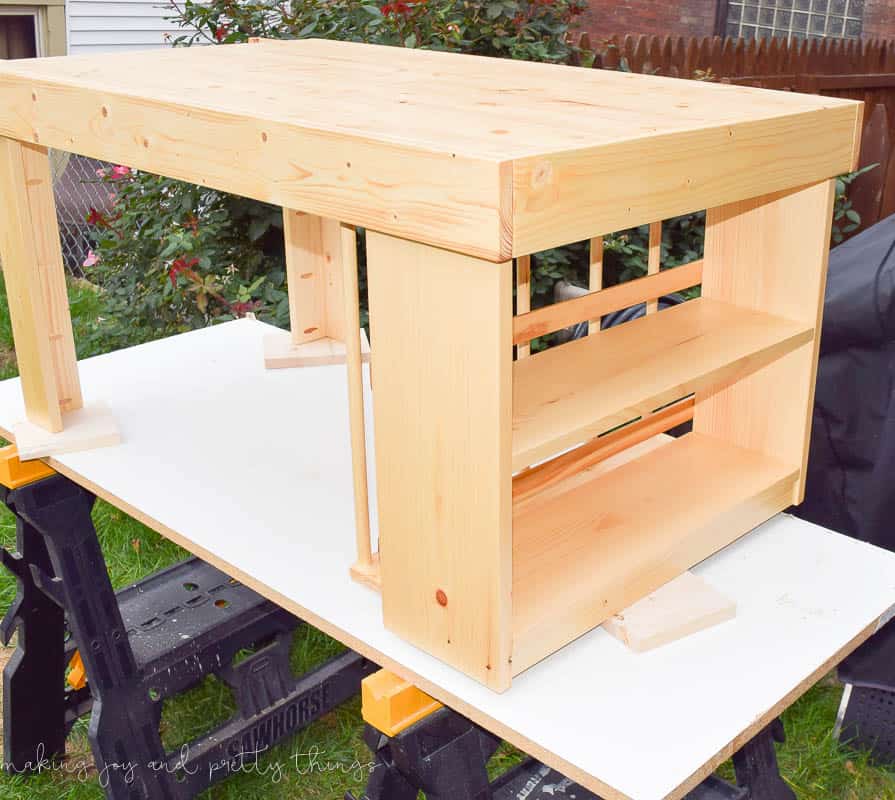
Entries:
{"x":96,"y":26}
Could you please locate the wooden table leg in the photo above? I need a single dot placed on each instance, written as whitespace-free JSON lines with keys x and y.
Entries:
{"x":442,"y":326}
{"x":314,"y":274}
{"x":35,"y":283}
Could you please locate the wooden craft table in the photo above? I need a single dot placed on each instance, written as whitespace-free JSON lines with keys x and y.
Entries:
{"x":498,"y":559}
{"x":214,"y":457}
{"x":499,"y":547}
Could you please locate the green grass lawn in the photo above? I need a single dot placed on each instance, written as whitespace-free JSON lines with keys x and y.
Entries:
{"x":816,"y":766}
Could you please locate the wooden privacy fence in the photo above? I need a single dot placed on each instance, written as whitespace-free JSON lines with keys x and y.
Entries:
{"x":831,"y":67}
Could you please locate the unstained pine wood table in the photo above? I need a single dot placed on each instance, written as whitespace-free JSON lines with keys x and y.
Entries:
{"x":266,"y":495}
{"x":499,"y":545}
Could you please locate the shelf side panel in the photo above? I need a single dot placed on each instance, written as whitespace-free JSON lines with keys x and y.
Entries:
{"x":441,"y":328}
{"x":770,"y":254}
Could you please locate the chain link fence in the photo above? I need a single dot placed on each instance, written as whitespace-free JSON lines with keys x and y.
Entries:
{"x":78,"y":189}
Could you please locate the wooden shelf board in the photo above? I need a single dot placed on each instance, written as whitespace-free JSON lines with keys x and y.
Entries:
{"x":582,"y":555}
{"x":575,"y":392}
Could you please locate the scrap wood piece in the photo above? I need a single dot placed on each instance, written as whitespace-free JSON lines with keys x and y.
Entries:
{"x":683,"y":606}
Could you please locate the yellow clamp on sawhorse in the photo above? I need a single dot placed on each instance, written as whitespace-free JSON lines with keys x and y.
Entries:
{"x":391,"y":705}
{"x":15,"y":473}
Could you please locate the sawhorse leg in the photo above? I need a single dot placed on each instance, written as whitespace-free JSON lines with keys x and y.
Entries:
{"x":419,"y":745}
{"x":122,"y":735}
{"x":756,"y":766}
{"x":34,"y":726}
{"x":445,"y":757}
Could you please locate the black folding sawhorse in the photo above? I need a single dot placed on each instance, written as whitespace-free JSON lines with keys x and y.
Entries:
{"x":420,"y":745}
{"x":149,"y":642}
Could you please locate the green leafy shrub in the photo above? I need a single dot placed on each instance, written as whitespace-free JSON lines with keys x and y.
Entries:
{"x":846,"y":219}
{"x":534,"y":30}
{"x":171,"y":256}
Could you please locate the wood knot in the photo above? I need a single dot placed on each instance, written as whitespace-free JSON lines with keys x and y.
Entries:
{"x":542,"y":175}
{"x":441,"y":597}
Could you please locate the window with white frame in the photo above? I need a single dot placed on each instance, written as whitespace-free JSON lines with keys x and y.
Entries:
{"x":795,"y":19}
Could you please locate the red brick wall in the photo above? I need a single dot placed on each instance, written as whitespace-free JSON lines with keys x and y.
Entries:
{"x":879,"y":19}
{"x":661,"y":17}
{"x":697,"y":18}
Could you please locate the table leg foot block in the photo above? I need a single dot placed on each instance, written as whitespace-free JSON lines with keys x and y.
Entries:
{"x":85,"y":429}
{"x":280,"y":352}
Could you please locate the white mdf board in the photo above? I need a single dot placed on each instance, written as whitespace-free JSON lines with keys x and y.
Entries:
{"x":250,"y":469}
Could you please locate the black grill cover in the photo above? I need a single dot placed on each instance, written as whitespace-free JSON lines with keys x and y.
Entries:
{"x":851,"y":467}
